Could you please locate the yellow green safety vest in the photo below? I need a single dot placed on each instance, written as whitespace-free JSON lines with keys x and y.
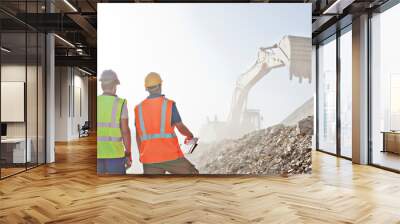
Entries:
{"x":109,"y":137}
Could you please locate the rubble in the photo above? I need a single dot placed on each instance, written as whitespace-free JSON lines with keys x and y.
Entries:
{"x":277,"y":150}
{"x":305,"y":126}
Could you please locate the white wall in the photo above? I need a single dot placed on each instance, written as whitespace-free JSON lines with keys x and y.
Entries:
{"x":61,"y":103}
{"x":80,"y":84}
{"x":69,"y":82}
{"x":16,"y":73}
{"x":12,"y":73}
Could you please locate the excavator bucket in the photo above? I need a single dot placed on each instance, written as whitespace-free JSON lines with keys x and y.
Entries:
{"x":297,"y":51}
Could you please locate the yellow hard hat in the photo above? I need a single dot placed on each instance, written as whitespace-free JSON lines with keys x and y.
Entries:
{"x":152,"y":79}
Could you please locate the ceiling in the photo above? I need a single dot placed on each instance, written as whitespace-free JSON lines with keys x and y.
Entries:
{"x":75,"y":22}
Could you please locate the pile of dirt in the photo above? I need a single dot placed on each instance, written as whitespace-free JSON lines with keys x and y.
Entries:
{"x":277,"y":150}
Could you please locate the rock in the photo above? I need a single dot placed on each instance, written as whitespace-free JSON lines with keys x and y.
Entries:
{"x":277,"y":150}
{"x":306,"y":126}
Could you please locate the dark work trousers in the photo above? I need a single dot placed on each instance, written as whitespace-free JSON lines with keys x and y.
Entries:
{"x":178,"y":166}
{"x":111,"y":166}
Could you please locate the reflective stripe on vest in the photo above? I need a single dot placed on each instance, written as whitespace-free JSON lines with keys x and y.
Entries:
{"x":109,"y":139}
{"x":154,"y":136}
{"x":162,"y":133}
{"x":113,"y":123}
{"x":107,"y":125}
{"x":141,"y":120}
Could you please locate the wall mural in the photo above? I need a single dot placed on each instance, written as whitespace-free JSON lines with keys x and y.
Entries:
{"x":205,"y":89}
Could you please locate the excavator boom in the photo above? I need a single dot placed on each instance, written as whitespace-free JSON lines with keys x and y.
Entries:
{"x":293,"y":52}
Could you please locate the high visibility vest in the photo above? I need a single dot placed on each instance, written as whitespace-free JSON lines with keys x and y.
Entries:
{"x":153,"y":125}
{"x":109,"y":137}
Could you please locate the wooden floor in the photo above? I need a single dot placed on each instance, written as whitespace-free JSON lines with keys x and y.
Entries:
{"x":387,"y":159}
{"x":5,"y":172}
{"x":70,"y":192}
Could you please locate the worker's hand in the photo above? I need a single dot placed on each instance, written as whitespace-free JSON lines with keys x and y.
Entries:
{"x":128,"y":159}
{"x":187,"y":139}
{"x":128,"y":154}
{"x":128,"y":162}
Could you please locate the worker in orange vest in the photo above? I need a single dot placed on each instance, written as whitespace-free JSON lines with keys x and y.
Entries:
{"x":155,"y":120}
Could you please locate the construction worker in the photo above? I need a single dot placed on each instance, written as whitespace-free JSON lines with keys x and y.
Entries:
{"x":113,"y":131}
{"x":155,"y":120}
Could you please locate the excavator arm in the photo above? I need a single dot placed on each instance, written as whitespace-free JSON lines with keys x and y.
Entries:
{"x":265,"y":62}
{"x":294,"y":52}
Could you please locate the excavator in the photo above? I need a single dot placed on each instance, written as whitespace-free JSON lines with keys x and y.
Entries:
{"x":293,"y":52}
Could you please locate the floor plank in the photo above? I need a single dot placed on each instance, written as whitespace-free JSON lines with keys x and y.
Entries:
{"x":69,"y":191}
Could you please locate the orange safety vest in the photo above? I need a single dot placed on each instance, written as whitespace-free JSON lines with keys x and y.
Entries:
{"x":153,"y":125}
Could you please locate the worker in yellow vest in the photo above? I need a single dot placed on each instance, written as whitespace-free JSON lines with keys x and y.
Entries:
{"x":155,"y":119}
{"x":113,"y":132}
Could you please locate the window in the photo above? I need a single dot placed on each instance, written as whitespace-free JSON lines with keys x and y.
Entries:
{"x":395,"y":102}
{"x":346,"y":93}
{"x":22,"y":77}
{"x":327,"y":96}
{"x":385,"y":89}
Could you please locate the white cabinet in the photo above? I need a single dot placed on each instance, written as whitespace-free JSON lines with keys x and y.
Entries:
{"x":18,"y":149}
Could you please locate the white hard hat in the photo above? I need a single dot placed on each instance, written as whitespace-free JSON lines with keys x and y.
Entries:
{"x":109,"y":76}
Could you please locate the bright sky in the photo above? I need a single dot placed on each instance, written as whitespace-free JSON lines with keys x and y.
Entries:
{"x":200,"y":50}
